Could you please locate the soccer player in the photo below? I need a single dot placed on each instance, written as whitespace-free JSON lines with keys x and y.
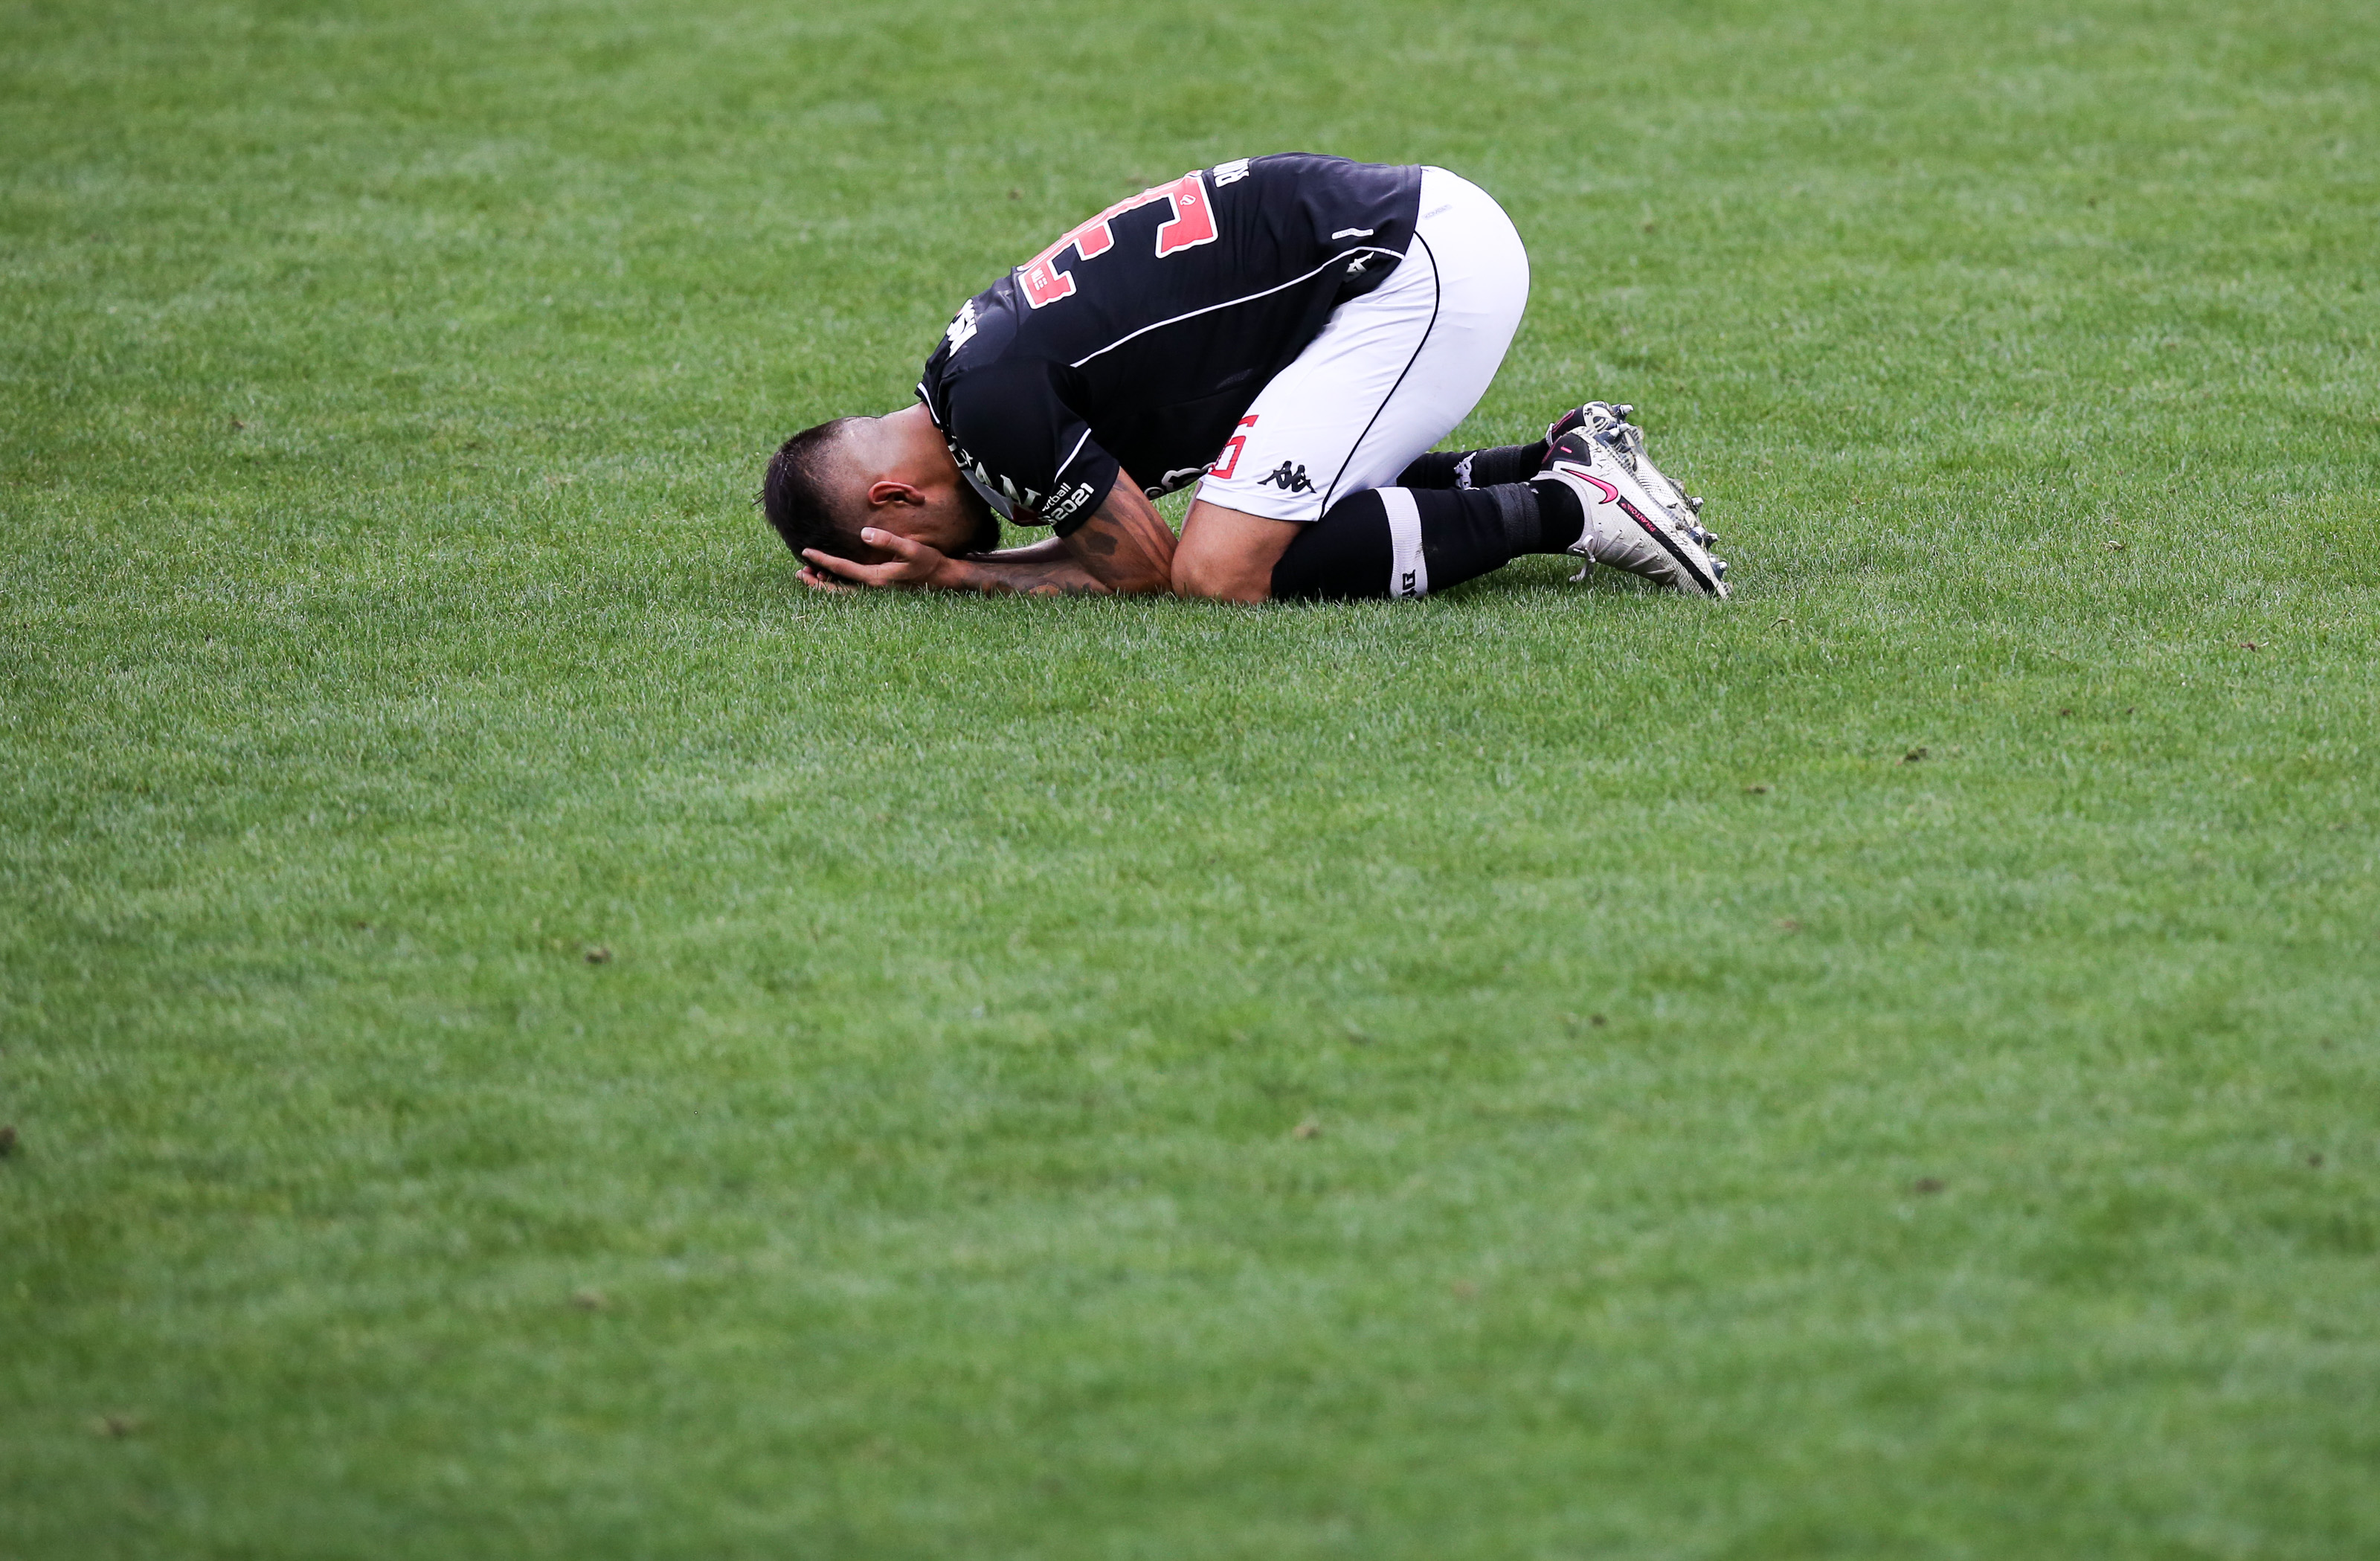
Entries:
{"x":1292,"y":333}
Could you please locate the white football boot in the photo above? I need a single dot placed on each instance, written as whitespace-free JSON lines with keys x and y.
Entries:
{"x":1637,"y":519}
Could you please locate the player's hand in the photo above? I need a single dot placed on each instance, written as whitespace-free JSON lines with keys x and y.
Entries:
{"x":913,"y":564}
{"x":821,"y":582}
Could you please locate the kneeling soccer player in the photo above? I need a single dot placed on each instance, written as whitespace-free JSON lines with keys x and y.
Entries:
{"x":1291,"y":333}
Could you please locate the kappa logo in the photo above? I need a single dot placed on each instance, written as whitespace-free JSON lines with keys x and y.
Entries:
{"x":1289,"y":479}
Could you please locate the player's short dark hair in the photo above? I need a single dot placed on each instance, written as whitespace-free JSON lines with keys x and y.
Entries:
{"x":798,"y":493}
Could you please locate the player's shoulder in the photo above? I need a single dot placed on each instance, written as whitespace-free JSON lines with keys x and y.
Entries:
{"x":973,"y":363}
{"x":983,"y":383}
{"x":982,"y":330}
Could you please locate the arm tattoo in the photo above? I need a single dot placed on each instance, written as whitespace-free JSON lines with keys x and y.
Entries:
{"x":1126,"y":545}
{"x":1048,"y":576}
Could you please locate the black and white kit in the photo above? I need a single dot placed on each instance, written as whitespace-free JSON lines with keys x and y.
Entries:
{"x":1292,"y":329}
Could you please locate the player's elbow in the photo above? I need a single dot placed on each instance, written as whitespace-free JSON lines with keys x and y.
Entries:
{"x":1135,"y":575}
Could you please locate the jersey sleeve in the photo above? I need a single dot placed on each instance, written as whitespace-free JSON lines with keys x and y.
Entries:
{"x":1011,"y":433}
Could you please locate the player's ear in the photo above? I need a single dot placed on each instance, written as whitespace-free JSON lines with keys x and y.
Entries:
{"x":887,"y":492}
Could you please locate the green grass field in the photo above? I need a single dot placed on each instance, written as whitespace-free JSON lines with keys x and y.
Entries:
{"x":1885,"y":1067}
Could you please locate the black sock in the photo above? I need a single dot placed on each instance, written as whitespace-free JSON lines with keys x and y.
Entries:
{"x":1406,"y":541}
{"x":1561,"y":518}
{"x":1474,"y":468}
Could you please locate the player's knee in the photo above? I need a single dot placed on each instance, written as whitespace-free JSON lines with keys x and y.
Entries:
{"x":1211,"y":576}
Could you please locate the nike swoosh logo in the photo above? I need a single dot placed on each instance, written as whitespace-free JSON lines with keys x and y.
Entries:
{"x":1610,"y":492}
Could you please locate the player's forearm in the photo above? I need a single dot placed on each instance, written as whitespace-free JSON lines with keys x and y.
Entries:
{"x":1044,"y":569}
{"x":1126,"y":548}
{"x":1037,"y":553}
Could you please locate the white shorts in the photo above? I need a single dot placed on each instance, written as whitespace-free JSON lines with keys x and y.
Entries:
{"x":1393,"y":371}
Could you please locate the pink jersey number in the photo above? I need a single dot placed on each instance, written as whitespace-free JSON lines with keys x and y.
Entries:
{"x":1192,"y":224}
{"x":1225,"y":464}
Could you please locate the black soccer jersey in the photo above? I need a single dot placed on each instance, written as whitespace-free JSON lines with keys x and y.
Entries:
{"x":1138,"y":339}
